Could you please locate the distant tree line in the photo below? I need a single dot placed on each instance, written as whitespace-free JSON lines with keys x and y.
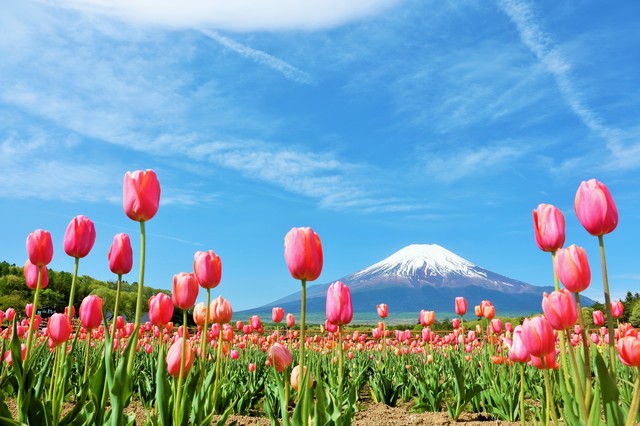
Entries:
{"x":14,"y":292}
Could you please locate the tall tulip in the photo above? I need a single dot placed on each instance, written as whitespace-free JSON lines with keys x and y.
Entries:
{"x":79,"y":237}
{"x":91,"y":312}
{"x":291,"y":320}
{"x":303,"y":255}
{"x":277,"y":314}
{"x":339,"y":308}
{"x":461,"y":306}
{"x":59,"y":328}
{"x":427,"y":318}
{"x":31,"y":276}
{"x":40,"y":247}
{"x":207,"y":267}
{"x":120,"y":258}
{"x":383,"y":310}
{"x":280,"y":357}
{"x":548,"y":226}
{"x":559,"y":309}
{"x":572,"y":267}
{"x":185,"y":290}
{"x":538,"y":336}
{"x":160,"y":309}
{"x":617,"y":309}
{"x":598,"y":318}
{"x":221,"y":313}
{"x":140,"y":201}
{"x":595,"y":208}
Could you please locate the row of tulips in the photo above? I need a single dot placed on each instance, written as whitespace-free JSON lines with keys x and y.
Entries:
{"x":188,"y":377}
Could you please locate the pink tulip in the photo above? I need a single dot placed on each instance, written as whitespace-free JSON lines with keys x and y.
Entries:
{"x":598,"y":318}
{"x":251,"y":367}
{"x":255,"y":322}
{"x":174,"y":356}
{"x":185,"y":290}
{"x":549,"y":361}
{"x":291,"y":320}
{"x":120,"y":255}
{"x":277,"y":314}
{"x":303,"y":254}
{"x":629,"y":351}
{"x":40,"y":247}
{"x":572,"y":268}
{"x":91,"y":312}
{"x":199,"y":314}
{"x":560,"y":309}
{"x":330,"y":327}
{"x":28,"y":309}
{"x":595,"y":208}
{"x":489,"y":312}
{"x":548,"y":226}
{"x":339,"y":309}
{"x":59,"y":328}
{"x":295,"y":377}
{"x":10,"y":313}
{"x":31,"y":276}
{"x":427,"y":318}
{"x":508,"y":327}
{"x":234,"y":354}
{"x":280,"y":357}
{"x":496,"y":325}
{"x":461,"y":306}
{"x":617,"y":309}
{"x":239,"y":325}
{"x":221,"y":310}
{"x":517,"y":349}
{"x":538,"y":337}
{"x":1,"y":317}
{"x":208,"y":268}
{"x":160,"y":310}
{"x":383,"y":310}
{"x":455,"y":323}
{"x":79,"y":237}
{"x":141,"y":195}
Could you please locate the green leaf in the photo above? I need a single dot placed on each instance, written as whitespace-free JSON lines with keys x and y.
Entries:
{"x":162,"y":389}
{"x":609,"y":393}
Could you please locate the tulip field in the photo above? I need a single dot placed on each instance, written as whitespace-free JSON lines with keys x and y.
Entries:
{"x":78,"y":368}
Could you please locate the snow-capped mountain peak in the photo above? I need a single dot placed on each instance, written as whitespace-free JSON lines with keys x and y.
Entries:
{"x":423,"y":260}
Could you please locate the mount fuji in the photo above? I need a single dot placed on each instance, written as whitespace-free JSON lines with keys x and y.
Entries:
{"x":423,"y":276}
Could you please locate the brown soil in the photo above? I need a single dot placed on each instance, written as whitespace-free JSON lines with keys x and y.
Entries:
{"x":369,"y":415}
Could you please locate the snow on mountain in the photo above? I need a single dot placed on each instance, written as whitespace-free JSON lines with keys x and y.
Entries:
{"x":422,"y":260}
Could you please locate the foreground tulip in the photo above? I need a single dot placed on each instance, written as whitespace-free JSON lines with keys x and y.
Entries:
{"x":303,"y":254}
{"x":277,"y":314}
{"x":280,"y":357}
{"x":221,"y":310}
{"x":595,"y":208}
{"x":40,"y":247}
{"x":461,"y":306}
{"x":160,"y":309}
{"x":517,"y":349}
{"x":629,"y":351}
{"x":59,"y":328}
{"x":141,"y":195}
{"x":120,"y":255}
{"x":295,"y":377}
{"x":31,"y":276}
{"x":185,"y":290}
{"x":548,"y":226}
{"x":207,"y":267}
{"x":339,"y":308}
{"x":559,"y":309}
{"x":572,"y":267}
{"x":91,"y":312}
{"x":79,"y":237}
{"x":538,"y":337}
{"x":383,"y":310}
{"x":174,"y":357}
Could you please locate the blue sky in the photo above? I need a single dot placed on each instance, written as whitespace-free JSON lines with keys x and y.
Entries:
{"x":379,"y":124}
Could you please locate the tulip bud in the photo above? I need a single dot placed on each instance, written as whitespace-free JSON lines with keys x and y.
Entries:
{"x":280,"y":357}
{"x":559,"y":308}
{"x":91,"y":312}
{"x":548,"y":226}
{"x":79,"y":237}
{"x":291,"y":320}
{"x":572,"y":268}
{"x":277,"y":314}
{"x":383,"y":310}
{"x":629,"y":351}
{"x":160,"y":309}
{"x":120,"y":255}
{"x":595,"y":208}
{"x":40,"y":247}
{"x":598,"y":318}
{"x":59,"y":328}
{"x":339,"y":309}
{"x":31,"y":276}
{"x":208,"y":268}
{"x":617,"y":309}
{"x":538,"y":336}
{"x":461,"y":306}
{"x":141,"y":195}
{"x":303,"y":254}
{"x":199,"y":314}
{"x":221,"y":310}
{"x":185,"y":290}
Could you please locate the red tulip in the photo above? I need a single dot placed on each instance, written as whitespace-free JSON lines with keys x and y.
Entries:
{"x":239,"y":325}
{"x":120,"y":255}
{"x":91,"y":312}
{"x":549,"y":361}
{"x":28,"y":309}
{"x":559,"y":309}
{"x":40,"y":247}
{"x":160,"y":310}
{"x":280,"y":357}
{"x":277,"y":314}
{"x":59,"y":328}
{"x":208,"y":268}
{"x":330,"y":327}
{"x":251,"y":367}
{"x":598,"y":318}
{"x":291,"y":320}
{"x":572,"y":268}
{"x":141,"y":195}
{"x":461,"y":306}
{"x":455,"y":323}
{"x":548,"y":226}
{"x":31,"y":276}
{"x":339,"y":309}
{"x":79,"y":237}
{"x":303,"y":253}
{"x":185,"y":290}
{"x":383,"y":310}
{"x":10,"y":313}
{"x":255,"y":322}
{"x":595,"y":208}
{"x":617,"y":309}
{"x":629,"y":351}
{"x":221,"y":311}
{"x":538,"y":336}
{"x":174,"y":356}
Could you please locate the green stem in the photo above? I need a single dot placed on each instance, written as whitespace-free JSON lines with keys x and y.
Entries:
{"x":86,"y":358}
{"x":550,"y":406}
{"x":522,"y":394}
{"x":72,"y":294}
{"x":204,"y":335}
{"x":556,"y":283}
{"x":635,"y":402}
{"x":32,"y":322}
{"x":182,"y":359}
{"x":384,"y":340}
{"x":218,"y":360}
{"x":132,"y":356}
{"x":578,"y":380}
{"x":302,"y":323}
{"x":587,"y":355}
{"x":607,"y":302}
{"x":115,"y":310}
{"x":341,"y":366}
{"x":54,"y":375}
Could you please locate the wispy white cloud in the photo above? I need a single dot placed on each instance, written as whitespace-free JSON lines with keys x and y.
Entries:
{"x":235,"y":15}
{"x":258,"y":56}
{"x":541,"y":44}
